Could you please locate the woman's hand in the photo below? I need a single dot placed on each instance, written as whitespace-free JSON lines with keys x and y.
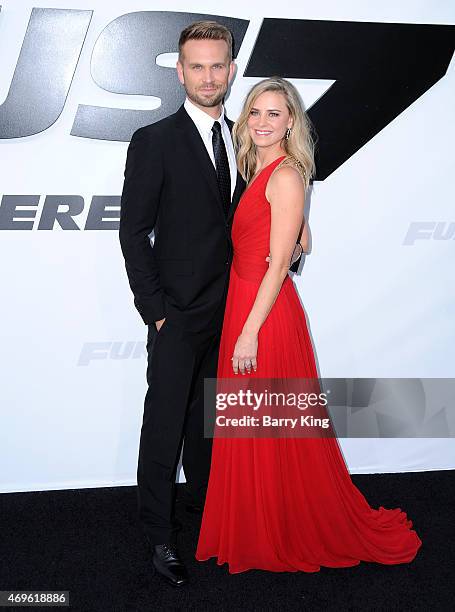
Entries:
{"x":245,"y":353}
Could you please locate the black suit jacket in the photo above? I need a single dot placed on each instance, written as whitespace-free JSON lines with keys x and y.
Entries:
{"x":171,"y":187}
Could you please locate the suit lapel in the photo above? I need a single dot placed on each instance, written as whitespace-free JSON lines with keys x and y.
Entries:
{"x":196,"y":146}
{"x":239,"y":188}
{"x":239,"y":185}
{"x":194,"y":143}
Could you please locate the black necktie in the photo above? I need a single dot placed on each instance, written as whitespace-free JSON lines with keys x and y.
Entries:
{"x":222,"y":166}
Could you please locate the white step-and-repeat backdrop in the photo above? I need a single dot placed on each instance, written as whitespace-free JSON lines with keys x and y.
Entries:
{"x":78,"y":77}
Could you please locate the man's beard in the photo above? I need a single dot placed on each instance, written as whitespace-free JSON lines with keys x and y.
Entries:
{"x":205,"y":101}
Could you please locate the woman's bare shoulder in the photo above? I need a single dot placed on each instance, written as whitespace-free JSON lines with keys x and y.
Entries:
{"x":287,"y":175}
{"x":290,"y":166}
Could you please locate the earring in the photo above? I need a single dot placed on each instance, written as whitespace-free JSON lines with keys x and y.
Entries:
{"x":288,"y":133}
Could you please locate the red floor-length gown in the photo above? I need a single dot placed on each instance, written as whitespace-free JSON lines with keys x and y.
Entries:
{"x":285,"y":504}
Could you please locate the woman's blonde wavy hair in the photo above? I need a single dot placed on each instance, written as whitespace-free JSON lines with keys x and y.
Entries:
{"x":299,"y":147}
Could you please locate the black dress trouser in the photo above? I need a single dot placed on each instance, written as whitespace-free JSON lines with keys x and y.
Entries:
{"x":178,"y":362}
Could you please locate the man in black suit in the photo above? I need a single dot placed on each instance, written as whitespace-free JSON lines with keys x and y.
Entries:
{"x":181,"y":181}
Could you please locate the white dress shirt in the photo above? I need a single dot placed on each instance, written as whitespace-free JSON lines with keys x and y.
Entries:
{"x":204,"y":124}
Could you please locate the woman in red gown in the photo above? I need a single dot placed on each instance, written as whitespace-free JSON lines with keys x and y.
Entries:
{"x":282,"y":504}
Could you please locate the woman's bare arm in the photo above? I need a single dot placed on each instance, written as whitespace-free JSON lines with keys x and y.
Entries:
{"x":286,"y":194}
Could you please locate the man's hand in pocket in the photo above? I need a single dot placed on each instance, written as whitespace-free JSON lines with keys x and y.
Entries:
{"x":159,"y":324}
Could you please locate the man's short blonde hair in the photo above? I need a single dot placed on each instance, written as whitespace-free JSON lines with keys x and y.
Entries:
{"x":206,"y":30}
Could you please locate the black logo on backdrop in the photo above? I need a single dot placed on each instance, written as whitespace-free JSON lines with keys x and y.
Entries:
{"x":379,"y":70}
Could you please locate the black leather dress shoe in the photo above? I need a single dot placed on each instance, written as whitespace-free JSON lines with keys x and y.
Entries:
{"x":168,"y":564}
